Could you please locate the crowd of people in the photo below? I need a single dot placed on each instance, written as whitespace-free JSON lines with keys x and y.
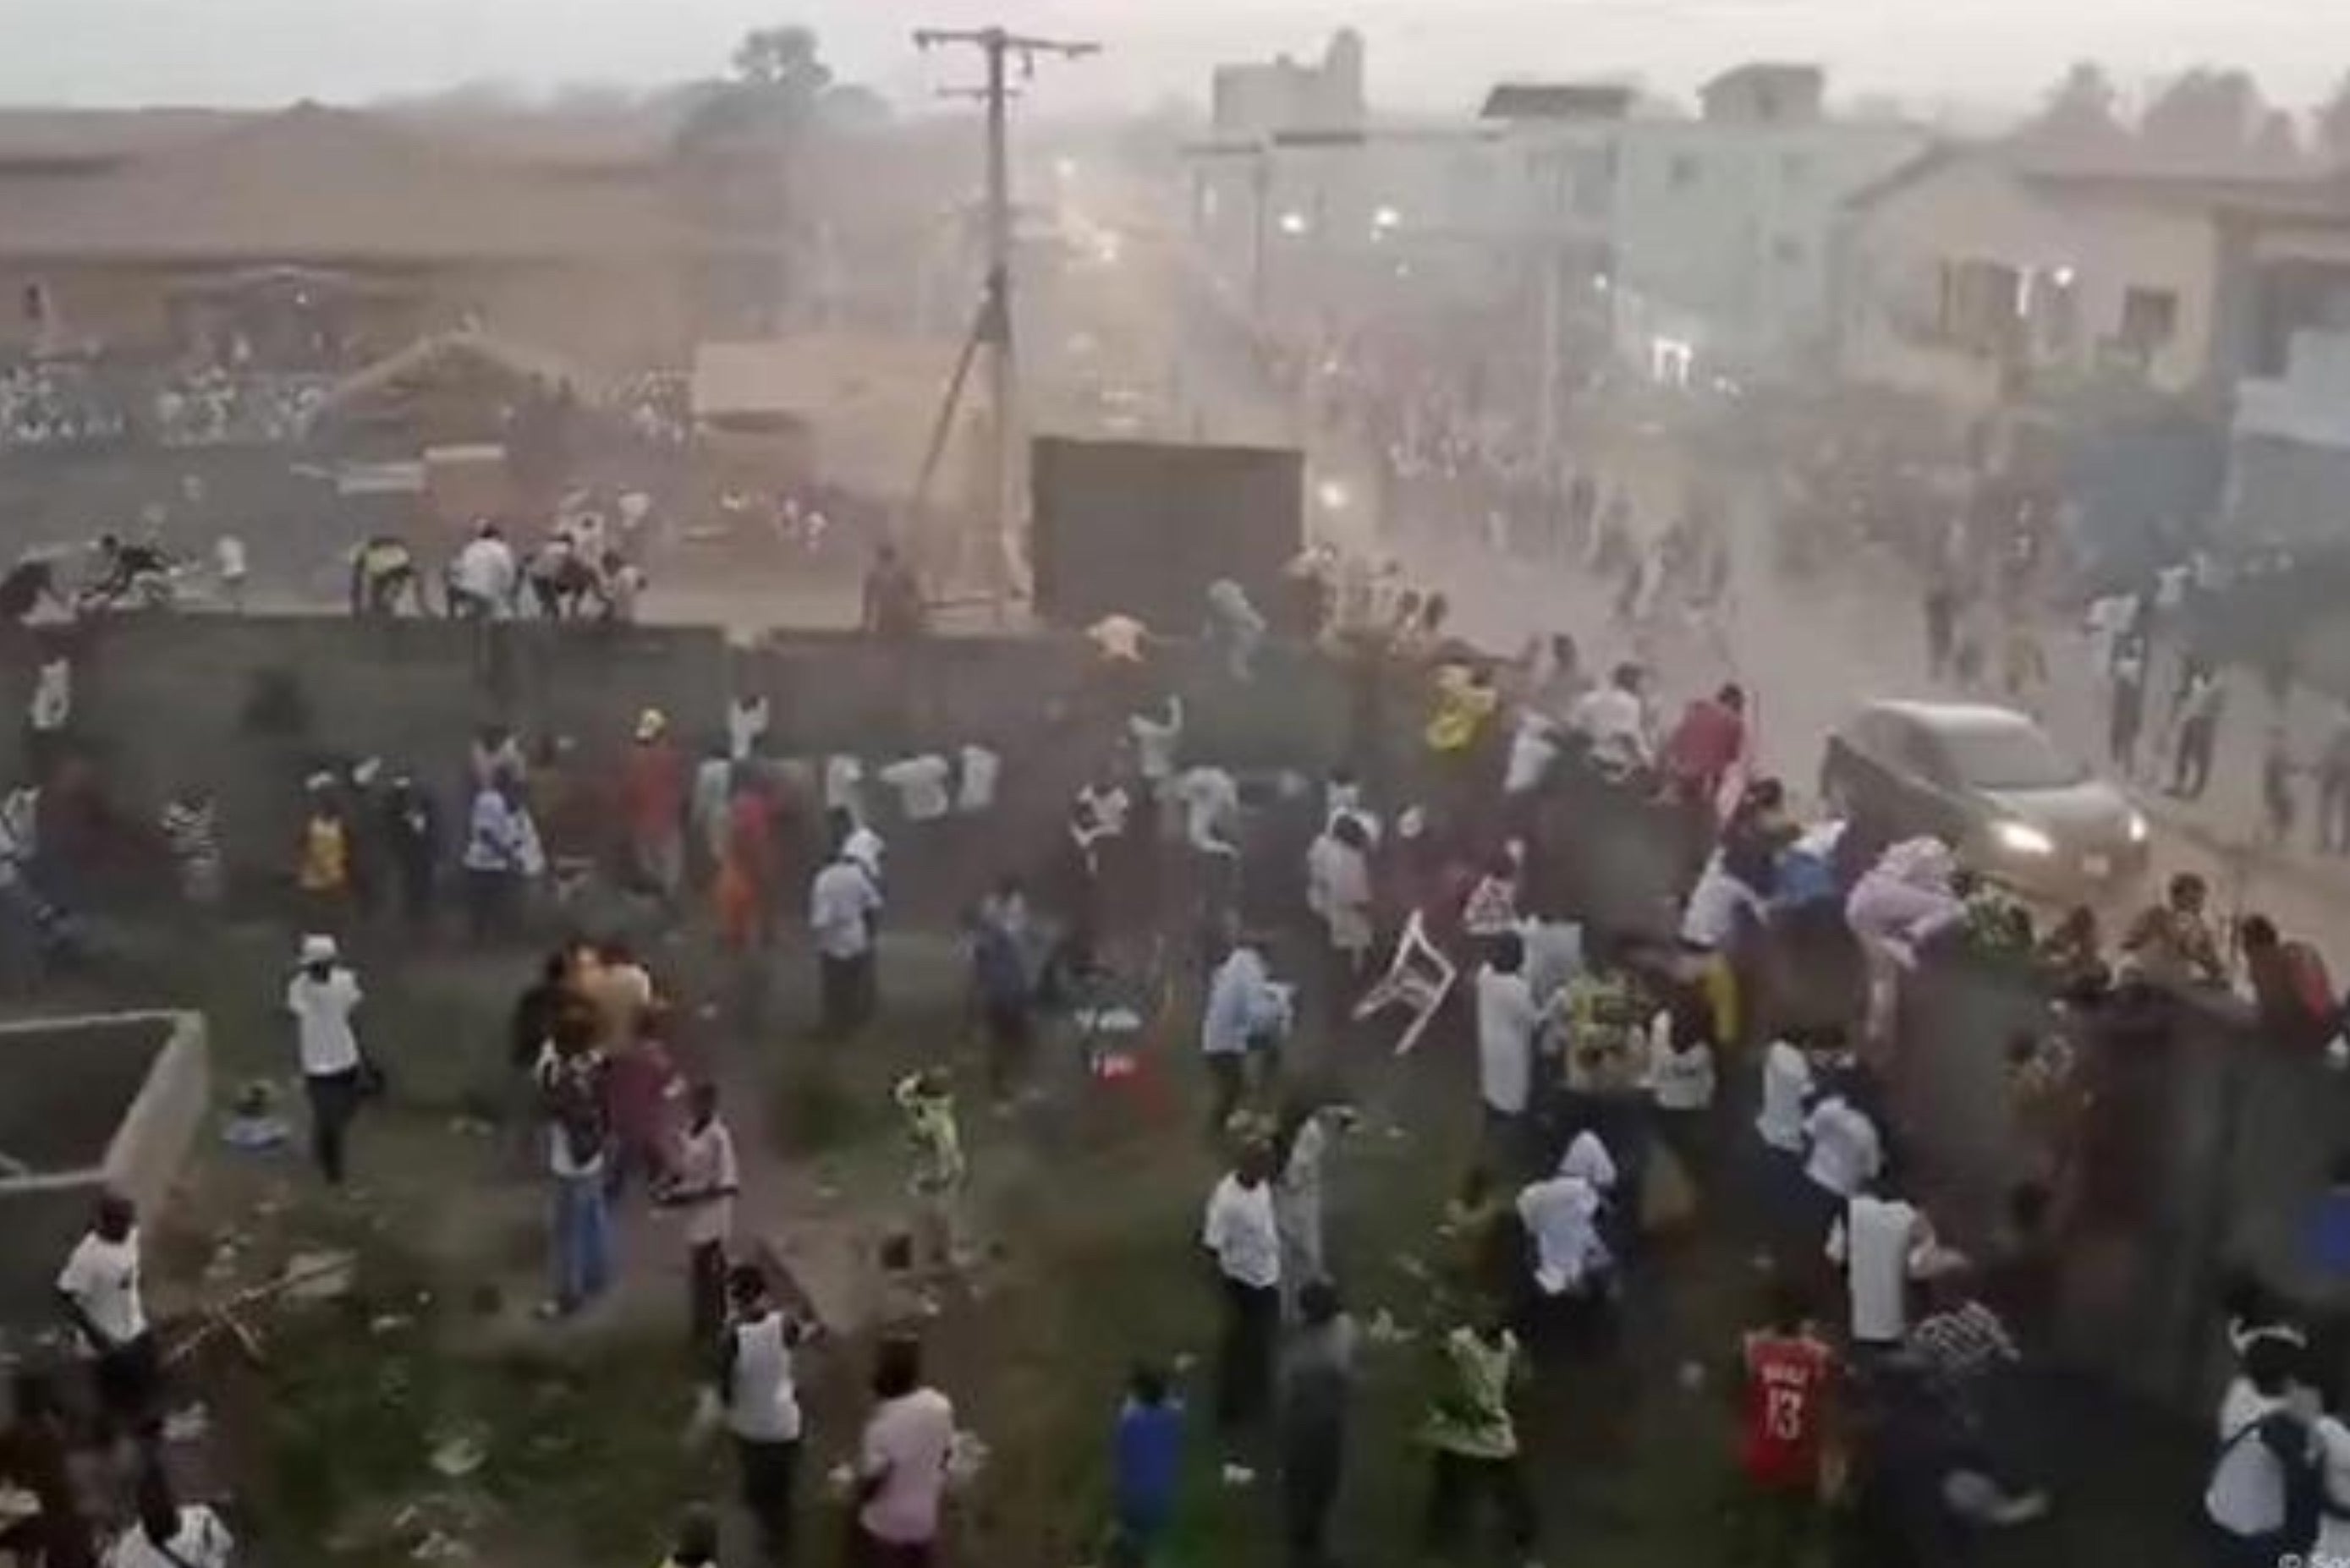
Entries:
{"x":62,"y":403}
{"x":1440,"y":893}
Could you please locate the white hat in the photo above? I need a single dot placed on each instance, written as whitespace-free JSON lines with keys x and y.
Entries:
{"x":319,"y":949}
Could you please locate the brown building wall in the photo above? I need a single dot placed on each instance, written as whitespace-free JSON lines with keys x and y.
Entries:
{"x":605,"y":315}
{"x":621,"y":314}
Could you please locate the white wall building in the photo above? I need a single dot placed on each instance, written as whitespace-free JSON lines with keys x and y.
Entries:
{"x":1724,"y":226}
{"x":1972,"y":275}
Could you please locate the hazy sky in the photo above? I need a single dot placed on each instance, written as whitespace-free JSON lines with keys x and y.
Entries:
{"x":1423,"y":53}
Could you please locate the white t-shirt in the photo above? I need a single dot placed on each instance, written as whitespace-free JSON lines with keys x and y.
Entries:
{"x":1587,"y":1157}
{"x":1878,"y":1242}
{"x":922,"y":786}
{"x":1240,"y":1230}
{"x":908,"y":1441}
{"x":1506,"y":1021}
{"x":1712,"y":918}
{"x":747,"y":725}
{"x":1562,"y":1216}
{"x":1154,"y":744}
{"x":102,"y":1277}
{"x":841,"y":904}
{"x":1105,"y":811}
{"x":484,"y":568}
{"x":1339,"y":890}
{"x":1787,"y":1081}
{"x":866,"y":847}
{"x":322,"y":1012}
{"x":1553,"y":955}
{"x":1533,"y":748}
{"x":1211,"y":800}
{"x":2246,"y":1496}
{"x":705,"y":1163}
{"x":202,"y":1542}
{"x":1614,"y":723}
{"x":1681,"y":1080}
{"x":975,"y":790}
{"x":843,"y":776}
{"x":1847,"y":1153}
{"x":762,"y":1400}
{"x":229,"y":556}
{"x":2333,"y":1458}
{"x":52,"y":703}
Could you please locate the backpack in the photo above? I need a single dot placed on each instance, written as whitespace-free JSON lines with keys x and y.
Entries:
{"x":2292,"y":1444}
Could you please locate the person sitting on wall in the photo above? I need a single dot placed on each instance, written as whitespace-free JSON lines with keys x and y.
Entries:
{"x":894,"y":605}
{"x":383,"y":572}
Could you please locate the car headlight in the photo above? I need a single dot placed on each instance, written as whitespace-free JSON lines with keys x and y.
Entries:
{"x":2138,"y":828}
{"x":2022,"y":838}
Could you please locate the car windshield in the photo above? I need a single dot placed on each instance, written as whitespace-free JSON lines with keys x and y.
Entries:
{"x":2007,"y":756}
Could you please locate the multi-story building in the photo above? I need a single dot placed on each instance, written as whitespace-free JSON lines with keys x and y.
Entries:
{"x":1263,"y":98}
{"x":1977,"y":276}
{"x":1712,"y":236}
{"x":1722,"y":226}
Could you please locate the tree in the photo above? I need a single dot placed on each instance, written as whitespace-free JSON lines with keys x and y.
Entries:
{"x":2206,"y":114}
{"x":2081,"y":113}
{"x":761,"y":111}
{"x":784,"y":58}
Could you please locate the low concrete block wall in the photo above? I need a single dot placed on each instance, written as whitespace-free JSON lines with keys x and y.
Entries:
{"x":87,"y":1106}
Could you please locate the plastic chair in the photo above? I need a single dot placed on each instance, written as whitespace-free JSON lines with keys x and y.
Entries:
{"x":1419,"y":978}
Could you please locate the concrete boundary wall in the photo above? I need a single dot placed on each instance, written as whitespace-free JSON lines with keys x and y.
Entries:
{"x":249,"y":705}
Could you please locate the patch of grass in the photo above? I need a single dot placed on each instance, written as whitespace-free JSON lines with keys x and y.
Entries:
{"x":590,"y":1447}
{"x":818,"y":1110}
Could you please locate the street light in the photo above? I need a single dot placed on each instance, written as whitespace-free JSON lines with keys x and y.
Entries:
{"x":1386,"y":219}
{"x":1292,"y":224}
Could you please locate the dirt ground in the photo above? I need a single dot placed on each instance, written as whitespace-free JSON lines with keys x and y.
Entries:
{"x":426,"y":1415}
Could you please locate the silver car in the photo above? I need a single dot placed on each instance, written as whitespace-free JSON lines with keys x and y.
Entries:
{"x":1989,"y":782}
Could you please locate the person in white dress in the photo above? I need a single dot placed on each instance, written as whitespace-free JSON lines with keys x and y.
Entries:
{"x":1300,"y":1147}
{"x":167,"y":1535}
{"x":2332,"y":1434}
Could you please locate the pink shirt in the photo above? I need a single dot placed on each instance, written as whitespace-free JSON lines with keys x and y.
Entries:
{"x":907,"y":1441}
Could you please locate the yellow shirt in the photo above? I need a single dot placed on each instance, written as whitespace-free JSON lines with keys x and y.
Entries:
{"x":1462,"y":709}
{"x":326,"y":856}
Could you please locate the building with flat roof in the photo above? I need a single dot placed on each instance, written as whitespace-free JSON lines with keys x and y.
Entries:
{"x":1260,"y":99}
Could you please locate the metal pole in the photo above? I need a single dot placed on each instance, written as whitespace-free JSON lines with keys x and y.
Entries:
{"x":1546,"y":431}
{"x":1260,"y":190}
{"x":995,"y":45}
{"x":1003,"y":487}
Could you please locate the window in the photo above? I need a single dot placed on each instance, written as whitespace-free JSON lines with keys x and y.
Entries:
{"x":1916,"y":754}
{"x":1787,"y":251}
{"x":1794,"y":168}
{"x":2007,"y":756}
{"x":2149,"y":318}
{"x":1683,"y":171}
{"x":1981,"y":307}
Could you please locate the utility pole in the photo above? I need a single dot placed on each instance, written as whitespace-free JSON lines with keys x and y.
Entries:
{"x":1554,"y":262}
{"x":997,"y":47}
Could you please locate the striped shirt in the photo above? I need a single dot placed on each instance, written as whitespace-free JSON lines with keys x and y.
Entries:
{"x":191,"y":830}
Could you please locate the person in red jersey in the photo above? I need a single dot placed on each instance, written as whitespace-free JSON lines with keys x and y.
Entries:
{"x":1789,"y":1373}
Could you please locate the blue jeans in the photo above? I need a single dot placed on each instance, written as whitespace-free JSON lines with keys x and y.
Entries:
{"x":583,"y":1240}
